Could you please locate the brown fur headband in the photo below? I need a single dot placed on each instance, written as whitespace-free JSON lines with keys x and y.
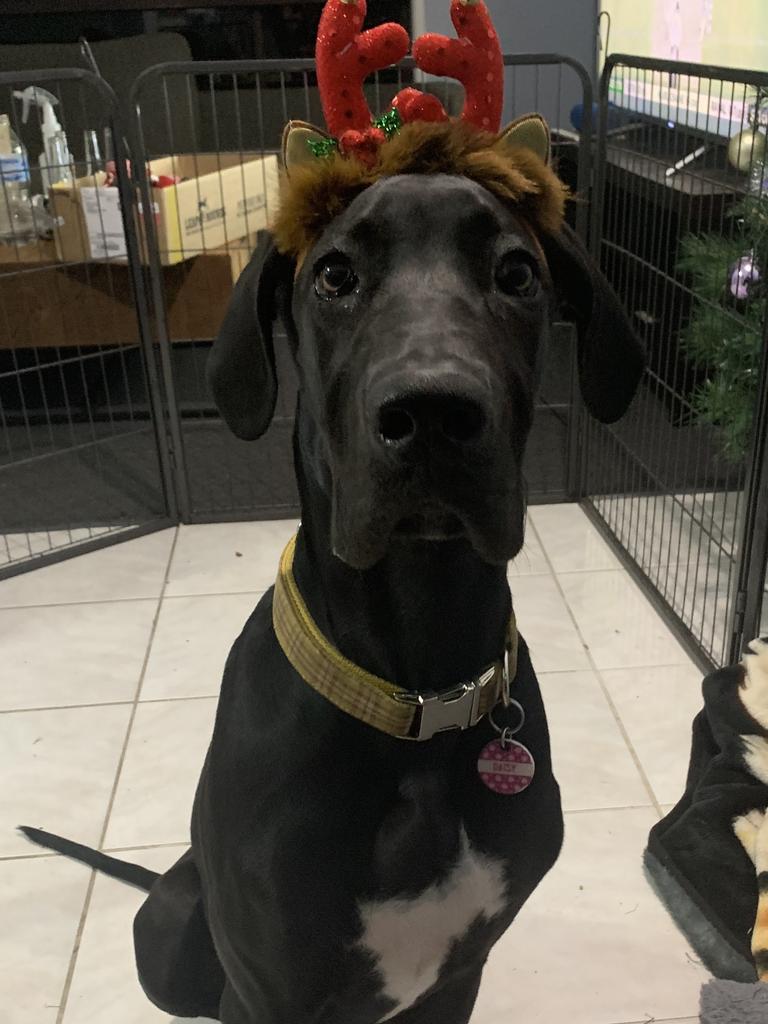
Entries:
{"x":315,"y":192}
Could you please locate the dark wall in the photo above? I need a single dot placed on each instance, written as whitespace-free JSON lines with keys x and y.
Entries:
{"x":214,"y":30}
{"x":563,"y":26}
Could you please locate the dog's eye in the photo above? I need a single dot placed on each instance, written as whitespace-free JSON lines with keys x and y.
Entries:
{"x":516,"y":275}
{"x":334,"y":278}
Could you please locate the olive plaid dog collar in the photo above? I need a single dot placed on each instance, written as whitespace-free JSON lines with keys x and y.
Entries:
{"x":406,"y":714}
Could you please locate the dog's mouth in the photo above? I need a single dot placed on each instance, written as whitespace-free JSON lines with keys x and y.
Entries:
{"x":431,"y":523}
{"x":436,"y":498}
{"x":363,"y":528}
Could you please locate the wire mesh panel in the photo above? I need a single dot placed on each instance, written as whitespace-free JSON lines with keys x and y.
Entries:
{"x":80,"y":461}
{"x":681,"y":230}
{"x":753,"y":574}
{"x":221,"y":144}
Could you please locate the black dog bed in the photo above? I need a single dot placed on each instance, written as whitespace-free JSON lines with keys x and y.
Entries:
{"x":694,"y":860}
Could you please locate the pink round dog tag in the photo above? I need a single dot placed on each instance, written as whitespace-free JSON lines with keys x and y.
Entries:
{"x":506,"y":768}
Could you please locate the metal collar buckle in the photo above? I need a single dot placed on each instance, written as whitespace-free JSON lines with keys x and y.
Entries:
{"x":454,"y":709}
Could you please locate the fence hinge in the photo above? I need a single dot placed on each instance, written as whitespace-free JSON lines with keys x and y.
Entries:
{"x":740,"y":607}
{"x":171,"y":450}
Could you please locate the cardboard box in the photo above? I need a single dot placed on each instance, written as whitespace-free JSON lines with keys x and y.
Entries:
{"x":92,"y":303}
{"x":223,"y":197}
{"x":41,"y":251}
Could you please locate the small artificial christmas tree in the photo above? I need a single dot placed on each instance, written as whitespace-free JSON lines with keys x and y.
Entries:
{"x":728,"y":274}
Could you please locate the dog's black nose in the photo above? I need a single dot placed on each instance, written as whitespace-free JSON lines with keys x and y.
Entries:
{"x":432,"y":416}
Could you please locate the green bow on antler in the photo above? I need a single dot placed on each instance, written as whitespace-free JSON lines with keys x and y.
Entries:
{"x":389,"y":123}
{"x":322,"y":148}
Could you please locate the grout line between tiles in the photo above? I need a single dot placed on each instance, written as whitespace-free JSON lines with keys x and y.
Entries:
{"x":146,"y":846}
{"x":66,"y":707}
{"x":78,"y":604}
{"x":581,"y":572}
{"x":213,"y":593}
{"x":609,"y":810}
{"x":110,"y":804}
{"x":178,"y":700}
{"x":106,"y":849}
{"x":27,"y":856}
{"x":658,"y":1020}
{"x":614,"y":710}
{"x":606,"y":668}
{"x":110,"y":704}
{"x":134,"y":600}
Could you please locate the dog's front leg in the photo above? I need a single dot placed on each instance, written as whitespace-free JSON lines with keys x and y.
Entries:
{"x":233,"y":1011}
{"x":451,"y":1004}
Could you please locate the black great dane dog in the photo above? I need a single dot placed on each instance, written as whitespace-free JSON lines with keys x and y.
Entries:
{"x":347,"y":868}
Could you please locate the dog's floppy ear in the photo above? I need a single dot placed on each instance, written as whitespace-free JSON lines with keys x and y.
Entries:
{"x":241,"y":365}
{"x":611,"y":356}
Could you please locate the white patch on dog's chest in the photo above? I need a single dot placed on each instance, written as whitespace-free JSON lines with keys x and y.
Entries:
{"x":410,"y":938}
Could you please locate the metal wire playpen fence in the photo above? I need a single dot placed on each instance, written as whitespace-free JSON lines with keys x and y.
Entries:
{"x":106,"y":318}
{"x":108,"y":428}
{"x":81,"y":459}
{"x":681,"y":229}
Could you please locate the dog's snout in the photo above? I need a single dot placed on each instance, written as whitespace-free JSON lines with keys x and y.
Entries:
{"x":435,"y":415}
{"x":463,"y":421}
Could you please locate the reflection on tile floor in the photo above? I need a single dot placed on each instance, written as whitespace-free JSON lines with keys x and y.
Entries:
{"x":18,"y":547}
{"x":102,"y":736}
{"x":687,"y":544}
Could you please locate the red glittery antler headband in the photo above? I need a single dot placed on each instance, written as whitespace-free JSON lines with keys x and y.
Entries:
{"x":346,"y":56}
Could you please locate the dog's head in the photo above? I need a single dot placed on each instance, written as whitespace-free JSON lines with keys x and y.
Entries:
{"x":418,"y":289}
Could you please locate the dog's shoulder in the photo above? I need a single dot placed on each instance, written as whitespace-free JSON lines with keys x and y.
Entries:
{"x":254,"y":672}
{"x":256,"y":638}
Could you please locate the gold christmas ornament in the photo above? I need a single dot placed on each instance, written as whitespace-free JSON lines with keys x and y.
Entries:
{"x":746,"y":149}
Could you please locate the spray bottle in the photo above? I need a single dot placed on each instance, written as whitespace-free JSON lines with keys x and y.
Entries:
{"x":16,"y":218}
{"x":55,"y":160}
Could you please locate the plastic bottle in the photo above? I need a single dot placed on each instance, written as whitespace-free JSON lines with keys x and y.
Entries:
{"x":55,"y":161}
{"x":17,"y":225}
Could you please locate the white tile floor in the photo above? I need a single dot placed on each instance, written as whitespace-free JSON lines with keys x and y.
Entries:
{"x":110,"y":669}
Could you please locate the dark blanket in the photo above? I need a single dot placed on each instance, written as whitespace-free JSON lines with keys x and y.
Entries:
{"x":698,"y":866}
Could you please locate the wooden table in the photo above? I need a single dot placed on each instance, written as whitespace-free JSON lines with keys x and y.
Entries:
{"x":45,"y":303}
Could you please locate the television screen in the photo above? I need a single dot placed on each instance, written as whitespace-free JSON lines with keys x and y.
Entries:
{"x":699,"y":31}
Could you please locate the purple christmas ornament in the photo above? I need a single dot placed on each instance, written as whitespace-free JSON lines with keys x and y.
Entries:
{"x":744,"y":276}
